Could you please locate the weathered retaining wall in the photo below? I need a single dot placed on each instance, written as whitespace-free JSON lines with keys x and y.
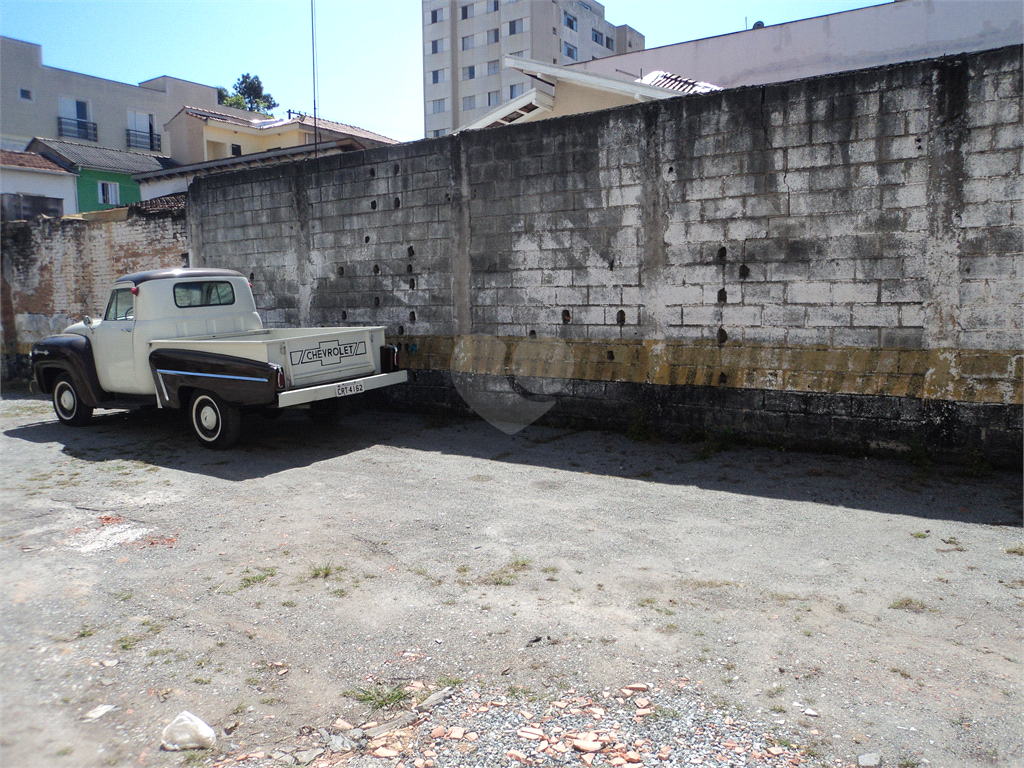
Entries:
{"x":55,"y":271}
{"x":831,"y":261}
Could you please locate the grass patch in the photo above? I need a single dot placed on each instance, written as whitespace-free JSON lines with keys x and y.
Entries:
{"x":901,"y":672}
{"x":449,"y":681}
{"x":379,"y":696}
{"x":919,"y":535}
{"x":128,"y":642}
{"x":646,"y":602}
{"x":506,"y":576}
{"x":777,"y":709}
{"x":954,"y":545}
{"x":909,"y":604}
{"x":85,"y":631}
{"x":288,"y":604}
{"x":775,"y":692}
{"x":201,"y":680}
{"x":257,"y":578}
{"x":339,"y":592}
{"x":322,"y":571}
{"x":1018,"y":550}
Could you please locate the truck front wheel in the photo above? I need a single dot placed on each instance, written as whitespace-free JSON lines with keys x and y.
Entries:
{"x":68,"y":405}
{"x":215,"y":423}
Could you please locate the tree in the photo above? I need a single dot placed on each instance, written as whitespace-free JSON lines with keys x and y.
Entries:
{"x":250,"y":90}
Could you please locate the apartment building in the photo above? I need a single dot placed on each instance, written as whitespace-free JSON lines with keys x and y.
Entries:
{"x":464,"y":45}
{"x":46,"y":102}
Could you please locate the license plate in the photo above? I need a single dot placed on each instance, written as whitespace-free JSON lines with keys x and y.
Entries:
{"x":348,"y":389}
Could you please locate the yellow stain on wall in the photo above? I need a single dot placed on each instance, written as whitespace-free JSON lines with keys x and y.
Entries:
{"x":967,"y":375}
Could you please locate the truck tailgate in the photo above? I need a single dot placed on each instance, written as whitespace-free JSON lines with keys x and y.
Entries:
{"x":337,"y":354}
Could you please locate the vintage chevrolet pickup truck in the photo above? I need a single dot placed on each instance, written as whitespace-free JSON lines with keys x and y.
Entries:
{"x":191,"y":338}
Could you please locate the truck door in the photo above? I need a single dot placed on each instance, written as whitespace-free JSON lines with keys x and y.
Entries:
{"x":112,"y":343}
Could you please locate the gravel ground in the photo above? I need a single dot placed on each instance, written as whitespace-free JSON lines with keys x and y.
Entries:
{"x":261,"y":585}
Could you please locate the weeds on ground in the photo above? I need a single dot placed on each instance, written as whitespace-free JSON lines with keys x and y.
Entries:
{"x":954,"y":545}
{"x":775,"y":692}
{"x":449,"y":681}
{"x":909,"y":604}
{"x":1018,"y":550}
{"x":506,"y":576}
{"x":85,"y":631}
{"x":256,"y":578}
{"x":322,"y":571}
{"x":901,"y":672}
{"x":378,"y":696}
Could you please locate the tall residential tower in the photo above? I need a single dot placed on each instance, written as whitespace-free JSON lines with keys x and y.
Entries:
{"x":464,"y":43}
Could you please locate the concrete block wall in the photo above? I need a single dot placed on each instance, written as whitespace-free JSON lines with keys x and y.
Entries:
{"x":55,"y":271}
{"x":848,"y":236}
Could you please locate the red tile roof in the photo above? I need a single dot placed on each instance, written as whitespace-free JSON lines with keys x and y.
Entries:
{"x":10,"y":158}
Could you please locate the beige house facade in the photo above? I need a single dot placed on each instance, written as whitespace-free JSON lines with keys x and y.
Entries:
{"x":465,"y":43}
{"x":203,"y":135}
{"x":889,"y":33}
{"x":50,"y":103}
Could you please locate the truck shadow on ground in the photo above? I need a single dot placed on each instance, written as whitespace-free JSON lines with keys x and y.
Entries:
{"x":266,"y":447}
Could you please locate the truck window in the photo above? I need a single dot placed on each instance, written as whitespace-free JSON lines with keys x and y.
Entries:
{"x":121,"y":305}
{"x":203,"y":294}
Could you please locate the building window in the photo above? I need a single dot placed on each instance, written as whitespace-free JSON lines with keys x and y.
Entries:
{"x":492,"y":36}
{"x":437,"y":106}
{"x":515,"y":91}
{"x":108,"y":192}
{"x":468,"y":42}
{"x":570,"y":51}
{"x":25,"y":94}
{"x":467,"y":11}
{"x":439,"y":133}
{"x":493,"y":67}
{"x":597,"y":37}
{"x":468,"y":103}
{"x":438,"y":46}
{"x":492,"y":6}
{"x":515,"y":27}
{"x":609,"y":43}
{"x":585,"y":6}
{"x":570,"y":21}
{"x":518,"y":54}
{"x":437,"y":16}
{"x":469,"y":73}
{"x":142,"y":133}
{"x":437,"y":76}
{"x":493,"y":98}
{"x":74,"y":119}
{"x":236,"y":150}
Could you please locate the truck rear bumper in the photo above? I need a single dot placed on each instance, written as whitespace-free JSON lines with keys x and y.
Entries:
{"x":340,"y":388}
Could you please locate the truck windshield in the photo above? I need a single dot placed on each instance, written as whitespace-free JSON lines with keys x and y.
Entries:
{"x":203,"y":294}
{"x":121,"y":305}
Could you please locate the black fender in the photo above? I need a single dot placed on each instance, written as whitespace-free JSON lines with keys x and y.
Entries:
{"x":72,"y":354}
{"x":236,"y":380}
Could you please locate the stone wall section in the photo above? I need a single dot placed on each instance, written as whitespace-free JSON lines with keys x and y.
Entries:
{"x":850,"y":235}
{"x":55,"y":271}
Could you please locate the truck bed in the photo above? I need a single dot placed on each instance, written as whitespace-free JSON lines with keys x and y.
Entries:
{"x":308,"y":357}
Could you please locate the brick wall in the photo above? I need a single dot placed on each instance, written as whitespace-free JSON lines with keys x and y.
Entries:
{"x":843,"y":252}
{"x":55,"y":271}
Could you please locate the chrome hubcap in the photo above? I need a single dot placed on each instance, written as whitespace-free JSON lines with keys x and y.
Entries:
{"x":208,"y":417}
{"x":67,"y":400}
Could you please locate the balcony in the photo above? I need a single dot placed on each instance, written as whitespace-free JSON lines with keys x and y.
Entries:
{"x":143,"y":140}
{"x":76,"y":129}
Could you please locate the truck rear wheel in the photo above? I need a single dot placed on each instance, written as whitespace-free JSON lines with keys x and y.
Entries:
{"x":68,"y":405}
{"x":216,"y":424}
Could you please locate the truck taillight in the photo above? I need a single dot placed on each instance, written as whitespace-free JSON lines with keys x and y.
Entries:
{"x":280,"y":378}
{"x":388,"y":358}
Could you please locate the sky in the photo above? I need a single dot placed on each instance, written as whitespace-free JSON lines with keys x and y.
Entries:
{"x":369,"y":52}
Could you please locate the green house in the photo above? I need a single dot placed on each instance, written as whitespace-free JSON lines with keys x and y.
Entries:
{"x":104,"y":175}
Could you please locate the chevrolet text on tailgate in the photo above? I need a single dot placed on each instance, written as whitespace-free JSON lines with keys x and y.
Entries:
{"x":191,"y":338}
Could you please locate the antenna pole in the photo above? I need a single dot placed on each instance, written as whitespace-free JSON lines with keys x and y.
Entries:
{"x":316,"y":126}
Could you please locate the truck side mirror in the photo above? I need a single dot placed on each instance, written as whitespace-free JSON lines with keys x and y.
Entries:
{"x":87,"y":320}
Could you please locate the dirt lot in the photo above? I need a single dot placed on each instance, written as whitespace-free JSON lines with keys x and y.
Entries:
{"x":261,"y":583}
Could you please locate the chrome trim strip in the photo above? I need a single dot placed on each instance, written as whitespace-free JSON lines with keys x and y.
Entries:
{"x":163,"y":386}
{"x":210,"y":375}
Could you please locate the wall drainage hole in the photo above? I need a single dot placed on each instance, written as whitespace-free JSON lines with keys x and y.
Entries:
{"x":408,"y":268}
{"x":366,"y":239}
{"x":373,"y":205}
{"x":412,"y":283}
{"x":401,"y":330}
{"x":398,"y":203}
{"x":620,"y":317}
{"x":566,"y":316}
{"x":397,"y":169}
{"x":341,"y":271}
{"x":723,"y":297}
{"x":412,"y":317}
{"x":721,"y":253}
{"x":533,"y":334}
{"x":744,"y":271}
{"x":376,"y":301}
{"x":722,"y":336}
{"x":344,"y":315}
{"x":411,"y":251}
{"x":373,"y":172}
{"x":722,"y":378}
{"x":611,"y":356}
{"x":376,"y":269}
{"x":671,"y":169}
